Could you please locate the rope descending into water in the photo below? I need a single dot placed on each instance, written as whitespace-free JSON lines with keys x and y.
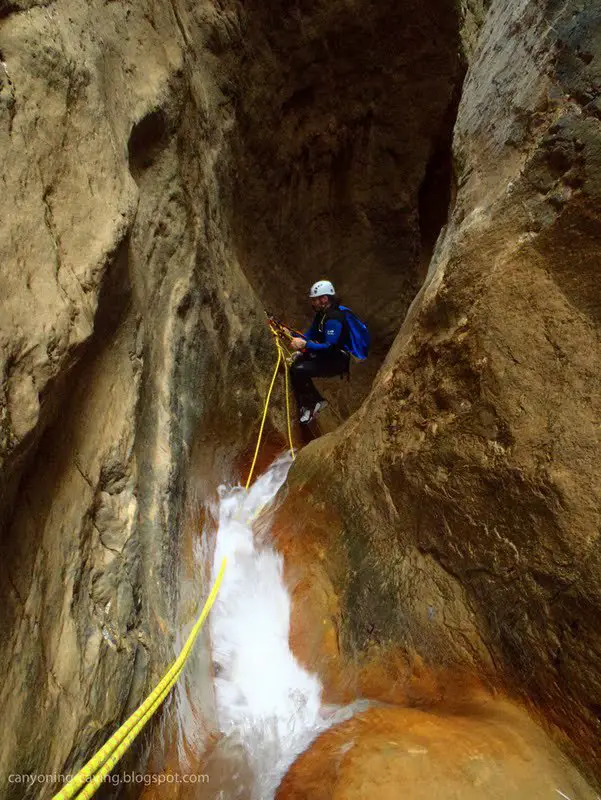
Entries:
{"x":281,"y":357}
{"x":93,"y":774}
{"x":99,"y":766}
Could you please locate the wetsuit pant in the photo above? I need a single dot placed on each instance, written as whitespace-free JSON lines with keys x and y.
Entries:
{"x":315,"y":365}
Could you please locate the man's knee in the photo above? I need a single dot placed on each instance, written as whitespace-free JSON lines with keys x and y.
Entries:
{"x":301,"y":368}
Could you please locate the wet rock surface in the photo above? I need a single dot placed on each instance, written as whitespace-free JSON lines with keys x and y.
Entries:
{"x":131,"y":346}
{"x":462,"y":499}
{"x":495,"y":753}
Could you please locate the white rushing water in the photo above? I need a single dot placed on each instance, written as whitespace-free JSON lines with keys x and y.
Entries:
{"x":266,"y":701}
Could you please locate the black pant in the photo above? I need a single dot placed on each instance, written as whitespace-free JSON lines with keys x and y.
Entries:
{"x":315,"y":365}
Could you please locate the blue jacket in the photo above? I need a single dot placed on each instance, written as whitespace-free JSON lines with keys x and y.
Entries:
{"x":328,"y":332}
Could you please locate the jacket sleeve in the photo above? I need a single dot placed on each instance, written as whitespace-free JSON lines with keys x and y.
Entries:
{"x":332,"y":335}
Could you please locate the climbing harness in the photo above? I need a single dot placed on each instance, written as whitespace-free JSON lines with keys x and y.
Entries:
{"x":93,"y":774}
{"x":278,"y":330}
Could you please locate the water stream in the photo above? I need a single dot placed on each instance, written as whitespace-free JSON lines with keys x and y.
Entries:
{"x":268,"y":708}
{"x":267,"y":703}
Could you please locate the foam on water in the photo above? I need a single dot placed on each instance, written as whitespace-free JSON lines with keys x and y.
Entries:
{"x":265,"y":700}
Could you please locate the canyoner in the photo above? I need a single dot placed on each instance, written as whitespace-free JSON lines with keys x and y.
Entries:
{"x":325,"y":349}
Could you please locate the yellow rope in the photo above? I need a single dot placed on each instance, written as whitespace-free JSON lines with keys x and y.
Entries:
{"x":258,"y":511}
{"x":275,"y":374}
{"x":288,"y":407}
{"x":99,"y":766}
{"x":281,"y":357}
{"x":93,"y":774}
{"x":94,"y":784}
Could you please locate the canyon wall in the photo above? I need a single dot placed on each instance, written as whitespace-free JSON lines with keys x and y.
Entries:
{"x":172,"y":167}
{"x":161,"y":163}
{"x":129,"y":341}
{"x":456,"y":515}
{"x":342,"y":156}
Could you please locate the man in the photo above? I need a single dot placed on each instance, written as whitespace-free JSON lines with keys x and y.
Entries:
{"x":321,"y":350}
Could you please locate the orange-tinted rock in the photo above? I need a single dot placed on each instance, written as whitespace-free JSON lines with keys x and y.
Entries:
{"x":320,"y":575}
{"x":462,"y":499}
{"x":389,"y":753}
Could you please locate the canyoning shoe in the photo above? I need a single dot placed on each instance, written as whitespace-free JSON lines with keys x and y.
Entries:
{"x":319,"y":407}
{"x":305,"y":416}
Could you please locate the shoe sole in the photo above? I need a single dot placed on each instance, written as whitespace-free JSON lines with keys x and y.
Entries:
{"x":314,"y":414}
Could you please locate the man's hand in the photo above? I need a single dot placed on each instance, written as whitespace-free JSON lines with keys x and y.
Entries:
{"x":297,"y":343}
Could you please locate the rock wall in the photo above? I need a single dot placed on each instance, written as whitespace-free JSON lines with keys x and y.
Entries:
{"x":342,"y":155}
{"x":164,"y":160}
{"x":128,"y":333}
{"x":141,"y":187}
{"x":497,"y":753}
{"x":473,"y":14}
{"x":456,"y":514}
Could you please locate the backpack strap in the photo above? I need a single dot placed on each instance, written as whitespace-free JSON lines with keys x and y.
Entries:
{"x":338,"y":314}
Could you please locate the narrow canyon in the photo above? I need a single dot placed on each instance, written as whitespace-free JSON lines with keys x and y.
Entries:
{"x":411,"y":605}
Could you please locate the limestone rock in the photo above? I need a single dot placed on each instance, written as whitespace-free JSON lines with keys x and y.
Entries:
{"x":125,"y":319}
{"x":466,"y":487}
{"x":161,"y":162}
{"x":473,"y":13}
{"x":388,"y":753}
{"x":344,"y":117}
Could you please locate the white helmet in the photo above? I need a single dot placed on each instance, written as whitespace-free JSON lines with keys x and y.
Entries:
{"x":320,"y":288}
